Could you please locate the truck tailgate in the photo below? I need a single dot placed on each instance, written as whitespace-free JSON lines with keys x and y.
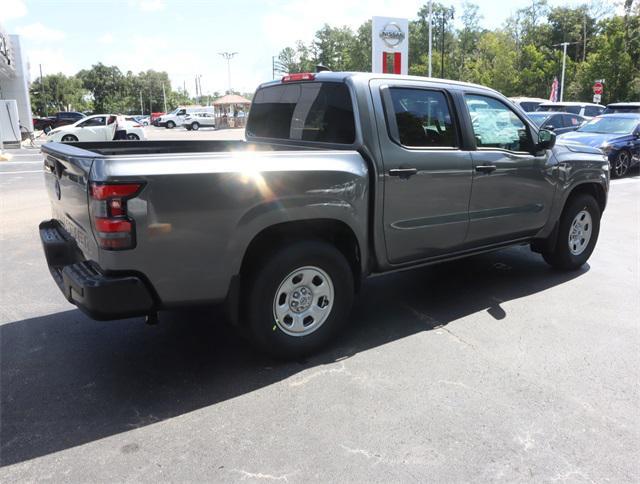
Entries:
{"x":66,"y":180}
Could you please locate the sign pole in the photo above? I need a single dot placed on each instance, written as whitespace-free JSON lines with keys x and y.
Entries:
{"x":564,"y":61}
{"x":430,"y":23}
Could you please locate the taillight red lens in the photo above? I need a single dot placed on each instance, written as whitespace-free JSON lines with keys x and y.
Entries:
{"x":113,"y":229}
{"x":102,"y":191}
{"x":301,"y":76}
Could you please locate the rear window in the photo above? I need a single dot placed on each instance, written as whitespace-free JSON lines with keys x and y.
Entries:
{"x":621,"y":109}
{"x":310,"y":111}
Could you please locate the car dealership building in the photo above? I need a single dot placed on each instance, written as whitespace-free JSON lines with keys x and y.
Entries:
{"x":14,"y":88}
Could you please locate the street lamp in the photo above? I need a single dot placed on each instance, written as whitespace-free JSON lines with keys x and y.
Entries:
{"x":228,"y":56}
{"x":564,"y":61}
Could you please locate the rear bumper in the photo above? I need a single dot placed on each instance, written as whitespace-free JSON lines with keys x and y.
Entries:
{"x":101,"y":296}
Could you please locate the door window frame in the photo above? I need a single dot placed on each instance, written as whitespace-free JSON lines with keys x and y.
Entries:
{"x":392,"y":125}
{"x":533,"y":132}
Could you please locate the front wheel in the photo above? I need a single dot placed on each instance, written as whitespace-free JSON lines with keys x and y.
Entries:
{"x":171,"y":125}
{"x":578,"y":231}
{"x":69,"y":138}
{"x":298,"y":299}
{"x":133,"y":137}
{"x":621,"y":164}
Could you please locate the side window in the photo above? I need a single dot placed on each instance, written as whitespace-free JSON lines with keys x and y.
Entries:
{"x":182,"y":112}
{"x":423,"y":118}
{"x":93,"y":122}
{"x":572,"y":121}
{"x":498,"y":126}
{"x":555,"y":122}
{"x":592,"y":111}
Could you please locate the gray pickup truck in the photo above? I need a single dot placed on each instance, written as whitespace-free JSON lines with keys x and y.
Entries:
{"x":341,"y":176}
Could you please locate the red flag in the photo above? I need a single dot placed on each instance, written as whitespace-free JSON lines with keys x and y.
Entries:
{"x":554,"y":91}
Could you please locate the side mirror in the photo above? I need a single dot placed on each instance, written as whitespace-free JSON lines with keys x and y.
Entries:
{"x":546,"y":139}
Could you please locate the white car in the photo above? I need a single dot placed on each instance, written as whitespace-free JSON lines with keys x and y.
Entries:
{"x":196,"y":121}
{"x":176,"y":117}
{"x":586,"y":110}
{"x":99,"y":127}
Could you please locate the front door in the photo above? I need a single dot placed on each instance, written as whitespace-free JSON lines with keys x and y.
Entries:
{"x":427,"y":176}
{"x":93,"y":129}
{"x":513,"y":187}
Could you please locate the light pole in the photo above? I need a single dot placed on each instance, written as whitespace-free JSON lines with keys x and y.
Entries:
{"x":564,"y":62}
{"x":228,"y":56}
{"x":430,"y":23}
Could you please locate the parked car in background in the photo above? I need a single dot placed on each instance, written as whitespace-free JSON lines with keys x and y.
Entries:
{"x":528,"y":104}
{"x":195,"y":121}
{"x":176,"y":117}
{"x":586,"y":110}
{"x":557,"y":122}
{"x":618,"y":135}
{"x":153,"y":119}
{"x":62,"y":118}
{"x":631,"y":107}
{"x":142,"y":120}
{"x":285,"y":226}
{"x":99,"y":127}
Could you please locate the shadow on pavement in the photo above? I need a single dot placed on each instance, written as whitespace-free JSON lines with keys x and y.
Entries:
{"x":67,"y":380}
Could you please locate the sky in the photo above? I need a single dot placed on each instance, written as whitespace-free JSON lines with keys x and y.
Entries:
{"x":185,"y":37}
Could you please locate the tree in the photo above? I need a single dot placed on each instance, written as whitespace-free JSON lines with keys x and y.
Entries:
{"x":57,"y":92}
{"x":104,"y":83}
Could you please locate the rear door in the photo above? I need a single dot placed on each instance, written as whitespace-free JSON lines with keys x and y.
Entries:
{"x":513,"y":186}
{"x":427,"y":175}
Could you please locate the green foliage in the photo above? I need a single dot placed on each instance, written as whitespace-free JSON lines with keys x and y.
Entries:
{"x":105,"y":89}
{"x":521,"y":58}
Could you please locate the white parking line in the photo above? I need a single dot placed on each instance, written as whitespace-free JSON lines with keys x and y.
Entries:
{"x":20,"y":172}
{"x":2,"y":163}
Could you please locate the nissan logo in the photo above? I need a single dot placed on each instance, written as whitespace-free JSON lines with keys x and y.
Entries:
{"x":392,"y":34}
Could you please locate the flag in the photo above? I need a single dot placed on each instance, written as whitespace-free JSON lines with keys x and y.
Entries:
{"x":554,"y":91}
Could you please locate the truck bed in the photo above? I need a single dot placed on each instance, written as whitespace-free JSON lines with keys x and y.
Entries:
{"x":110,"y":148}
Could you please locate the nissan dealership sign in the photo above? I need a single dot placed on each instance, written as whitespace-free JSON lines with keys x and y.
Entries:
{"x":390,"y":45}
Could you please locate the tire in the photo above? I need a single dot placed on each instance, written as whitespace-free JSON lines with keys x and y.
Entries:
{"x":133,"y":137}
{"x":273,"y":286}
{"x":571,"y":254}
{"x":69,"y":138}
{"x":621,"y":164}
{"x":187,"y":127}
{"x":171,"y":125}
{"x":195,"y":126}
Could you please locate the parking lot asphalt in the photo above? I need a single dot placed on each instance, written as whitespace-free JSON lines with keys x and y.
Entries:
{"x":494,"y":368}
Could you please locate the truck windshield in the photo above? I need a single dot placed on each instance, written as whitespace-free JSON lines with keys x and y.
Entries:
{"x":309,"y":111}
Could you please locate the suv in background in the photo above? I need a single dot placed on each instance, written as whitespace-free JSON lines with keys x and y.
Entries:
{"x":195,"y":121}
{"x":59,"y":119}
{"x":615,"y":108}
{"x":528,"y":104}
{"x":586,"y":110}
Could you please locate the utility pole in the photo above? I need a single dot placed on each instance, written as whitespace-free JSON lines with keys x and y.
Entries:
{"x":228,"y":56}
{"x":442,"y":49}
{"x":273,"y":67}
{"x":164,"y":98}
{"x":584,"y":36}
{"x":199,"y":81}
{"x":141,"y":105}
{"x":44,"y":99}
{"x":564,"y":63}
{"x":430,"y":24}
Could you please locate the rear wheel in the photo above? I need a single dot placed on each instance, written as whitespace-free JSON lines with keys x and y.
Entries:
{"x":195,"y":126}
{"x":577,"y":234}
{"x":298,"y":299}
{"x":69,"y":138}
{"x":132,"y":136}
{"x":621,"y":164}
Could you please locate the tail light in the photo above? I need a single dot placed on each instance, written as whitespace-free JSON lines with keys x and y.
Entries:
{"x":300,"y":76}
{"x":113,"y":228}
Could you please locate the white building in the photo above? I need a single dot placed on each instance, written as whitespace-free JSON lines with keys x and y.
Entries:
{"x":14,"y":77}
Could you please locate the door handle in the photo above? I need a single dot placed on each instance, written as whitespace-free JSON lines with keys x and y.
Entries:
{"x":486,"y":168}
{"x":403,"y":172}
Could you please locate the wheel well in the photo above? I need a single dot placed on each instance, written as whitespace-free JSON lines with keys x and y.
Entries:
{"x":593,"y":189}
{"x":334,"y":232}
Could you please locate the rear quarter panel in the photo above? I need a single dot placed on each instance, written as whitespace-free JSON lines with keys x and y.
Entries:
{"x":198,"y":213}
